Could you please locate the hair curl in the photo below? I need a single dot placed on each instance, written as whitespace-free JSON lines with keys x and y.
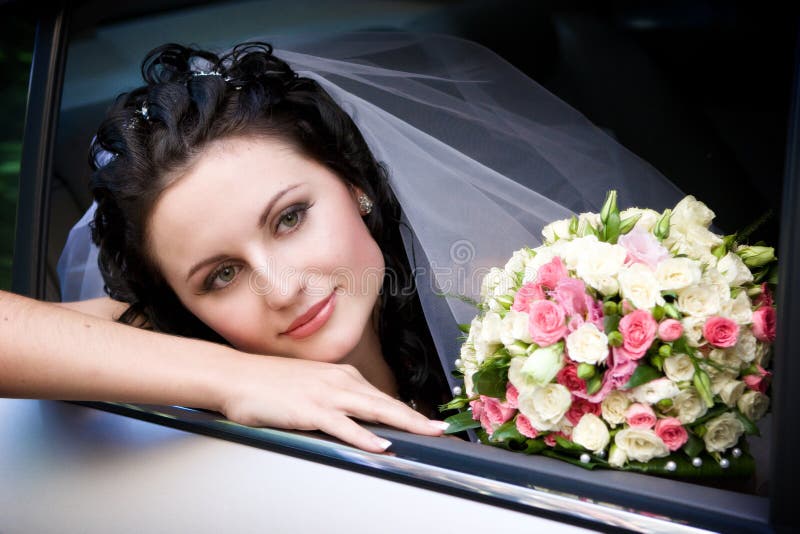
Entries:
{"x":193,"y":97}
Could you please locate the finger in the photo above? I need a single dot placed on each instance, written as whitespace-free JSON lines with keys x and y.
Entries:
{"x":392,"y":412}
{"x":350,"y":432}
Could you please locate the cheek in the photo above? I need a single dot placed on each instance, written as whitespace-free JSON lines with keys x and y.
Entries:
{"x":237,"y":317}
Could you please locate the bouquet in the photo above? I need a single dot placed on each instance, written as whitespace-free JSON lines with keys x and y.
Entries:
{"x":633,"y":340}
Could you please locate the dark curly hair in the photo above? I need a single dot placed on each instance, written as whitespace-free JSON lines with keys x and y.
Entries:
{"x":193,"y":97}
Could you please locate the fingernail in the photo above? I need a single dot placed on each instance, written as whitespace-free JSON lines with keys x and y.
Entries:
{"x":383,"y":443}
{"x":439,"y":425}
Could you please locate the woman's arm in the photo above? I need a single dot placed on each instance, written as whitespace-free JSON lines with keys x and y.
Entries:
{"x":49,"y":352}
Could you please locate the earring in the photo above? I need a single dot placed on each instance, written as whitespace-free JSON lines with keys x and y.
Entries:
{"x":364,"y":204}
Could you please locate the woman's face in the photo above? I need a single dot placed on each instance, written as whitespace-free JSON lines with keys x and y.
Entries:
{"x":268,"y":248}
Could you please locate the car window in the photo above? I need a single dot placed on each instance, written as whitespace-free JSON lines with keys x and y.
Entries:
{"x":693,"y":96}
{"x":16,"y":45}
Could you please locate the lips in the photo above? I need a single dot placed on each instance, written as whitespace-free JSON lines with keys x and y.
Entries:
{"x":312,"y":320}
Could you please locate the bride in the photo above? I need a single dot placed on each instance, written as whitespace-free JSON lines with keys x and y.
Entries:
{"x":317,"y":208}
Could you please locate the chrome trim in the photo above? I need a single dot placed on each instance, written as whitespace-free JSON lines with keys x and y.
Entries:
{"x":534,"y":499}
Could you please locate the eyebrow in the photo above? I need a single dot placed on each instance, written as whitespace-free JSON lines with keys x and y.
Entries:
{"x":262,"y":220}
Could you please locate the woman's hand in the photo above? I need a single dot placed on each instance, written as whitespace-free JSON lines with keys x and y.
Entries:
{"x":307,"y":395}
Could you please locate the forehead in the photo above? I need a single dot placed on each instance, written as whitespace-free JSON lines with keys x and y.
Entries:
{"x":225,"y":187}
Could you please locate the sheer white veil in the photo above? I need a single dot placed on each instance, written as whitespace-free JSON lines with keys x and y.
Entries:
{"x":480,"y":158}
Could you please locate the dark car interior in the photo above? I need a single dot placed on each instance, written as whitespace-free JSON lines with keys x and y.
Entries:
{"x":701,"y":90}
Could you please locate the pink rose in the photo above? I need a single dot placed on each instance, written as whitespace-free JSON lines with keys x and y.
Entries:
{"x":765,"y":298}
{"x":525,"y":427}
{"x":568,"y":377}
{"x":721,"y":332}
{"x":550,"y":439}
{"x":477,"y":409}
{"x":594,"y":312}
{"x":580,"y":407}
{"x":512,"y":396}
{"x":570,"y":293}
{"x":546,"y":322}
{"x":638,"y":330}
{"x":497,"y":412}
{"x":640,"y":416}
{"x":643,"y":248}
{"x":758,"y":382}
{"x":550,"y":273}
{"x":672,"y":433}
{"x":670,"y":330}
{"x":527,"y":294}
{"x":764,"y":324}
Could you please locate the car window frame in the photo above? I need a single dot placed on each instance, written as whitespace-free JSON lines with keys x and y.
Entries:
{"x":47,"y":77}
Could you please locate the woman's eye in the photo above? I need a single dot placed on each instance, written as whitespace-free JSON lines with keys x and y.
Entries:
{"x":292,"y":217}
{"x":221,"y":277}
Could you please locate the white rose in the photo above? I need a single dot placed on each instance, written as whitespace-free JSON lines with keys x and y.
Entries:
{"x":639,"y":285}
{"x":490,"y":281}
{"x":689,"y":405}
{"x":723,"y":432}
{"x":679,"y":368}
{"x":515,"y":328}
{"x":695,"y":242}
{"x":647,"y":220}
{"x":591,"y":433}
{"x":542,"y":366}
{"x":693,"y":330}
{"x":718,"y":376}
{"x":572,"y":251}
{"x":545,"y":406}
{"x":725,"y":357}
{"x":469,"y":386}
{"x":738,"y":309}
{"x":522,"y":381}
{"x":467,"y":355}
{"x":654,"y":391}
{"x":714,"y":279}
{"x":699,"y":301}
{"x":640,"y":444}
{"x":763,"y":354}
{"x":617,"y":457}
{"x":614,"y":407}
{"x":516,"y":264}
{"x":491,"y":329}
{"x":556,"y":230}
{"x":746,"y":348}
{"x":733,"y":270}
{"x":732,"y":391}
{"x":691,"y":212}
{"x":753,"y":404}
{"x":677,"y":273}
{"x":587,"y":344}
{"x":598,"y":260}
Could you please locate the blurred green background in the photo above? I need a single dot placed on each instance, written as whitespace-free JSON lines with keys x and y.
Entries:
{"x":16,"y":47}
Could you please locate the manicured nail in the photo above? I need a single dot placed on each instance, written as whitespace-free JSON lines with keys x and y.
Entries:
{"x":439,"y":425}
{"x":383,"y":443}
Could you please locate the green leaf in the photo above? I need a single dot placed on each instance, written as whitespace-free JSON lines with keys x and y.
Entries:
{"x":642,"y":375}
{"x":491,"y":381}
{"x":717,"y":410}
{"x":611,"y":229}
{"x":550,"y":453}
{"x":456,"y":404}
{"x":507,"y":432}
{"x":743,"y":466}
{"x":611,"y":323}
{"x":594,"y":384}
{"x":569,"y":445}
{"x":573,"y":225}
{"x":749,"y":427}
{"x":681,"y":346}
{"x":693,"y":446}
{"x":460,"y":422}
{"x":464,"y":327}
{"x":627,"y":224}
{"x":609,"y":206}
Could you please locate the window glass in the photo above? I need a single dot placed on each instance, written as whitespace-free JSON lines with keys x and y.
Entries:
{"x":16,"y":46}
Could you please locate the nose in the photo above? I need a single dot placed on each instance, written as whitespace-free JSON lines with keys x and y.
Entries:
{"x":280,"y":286}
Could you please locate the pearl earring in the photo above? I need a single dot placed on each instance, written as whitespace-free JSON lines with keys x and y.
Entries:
{"x":364,"y":204}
